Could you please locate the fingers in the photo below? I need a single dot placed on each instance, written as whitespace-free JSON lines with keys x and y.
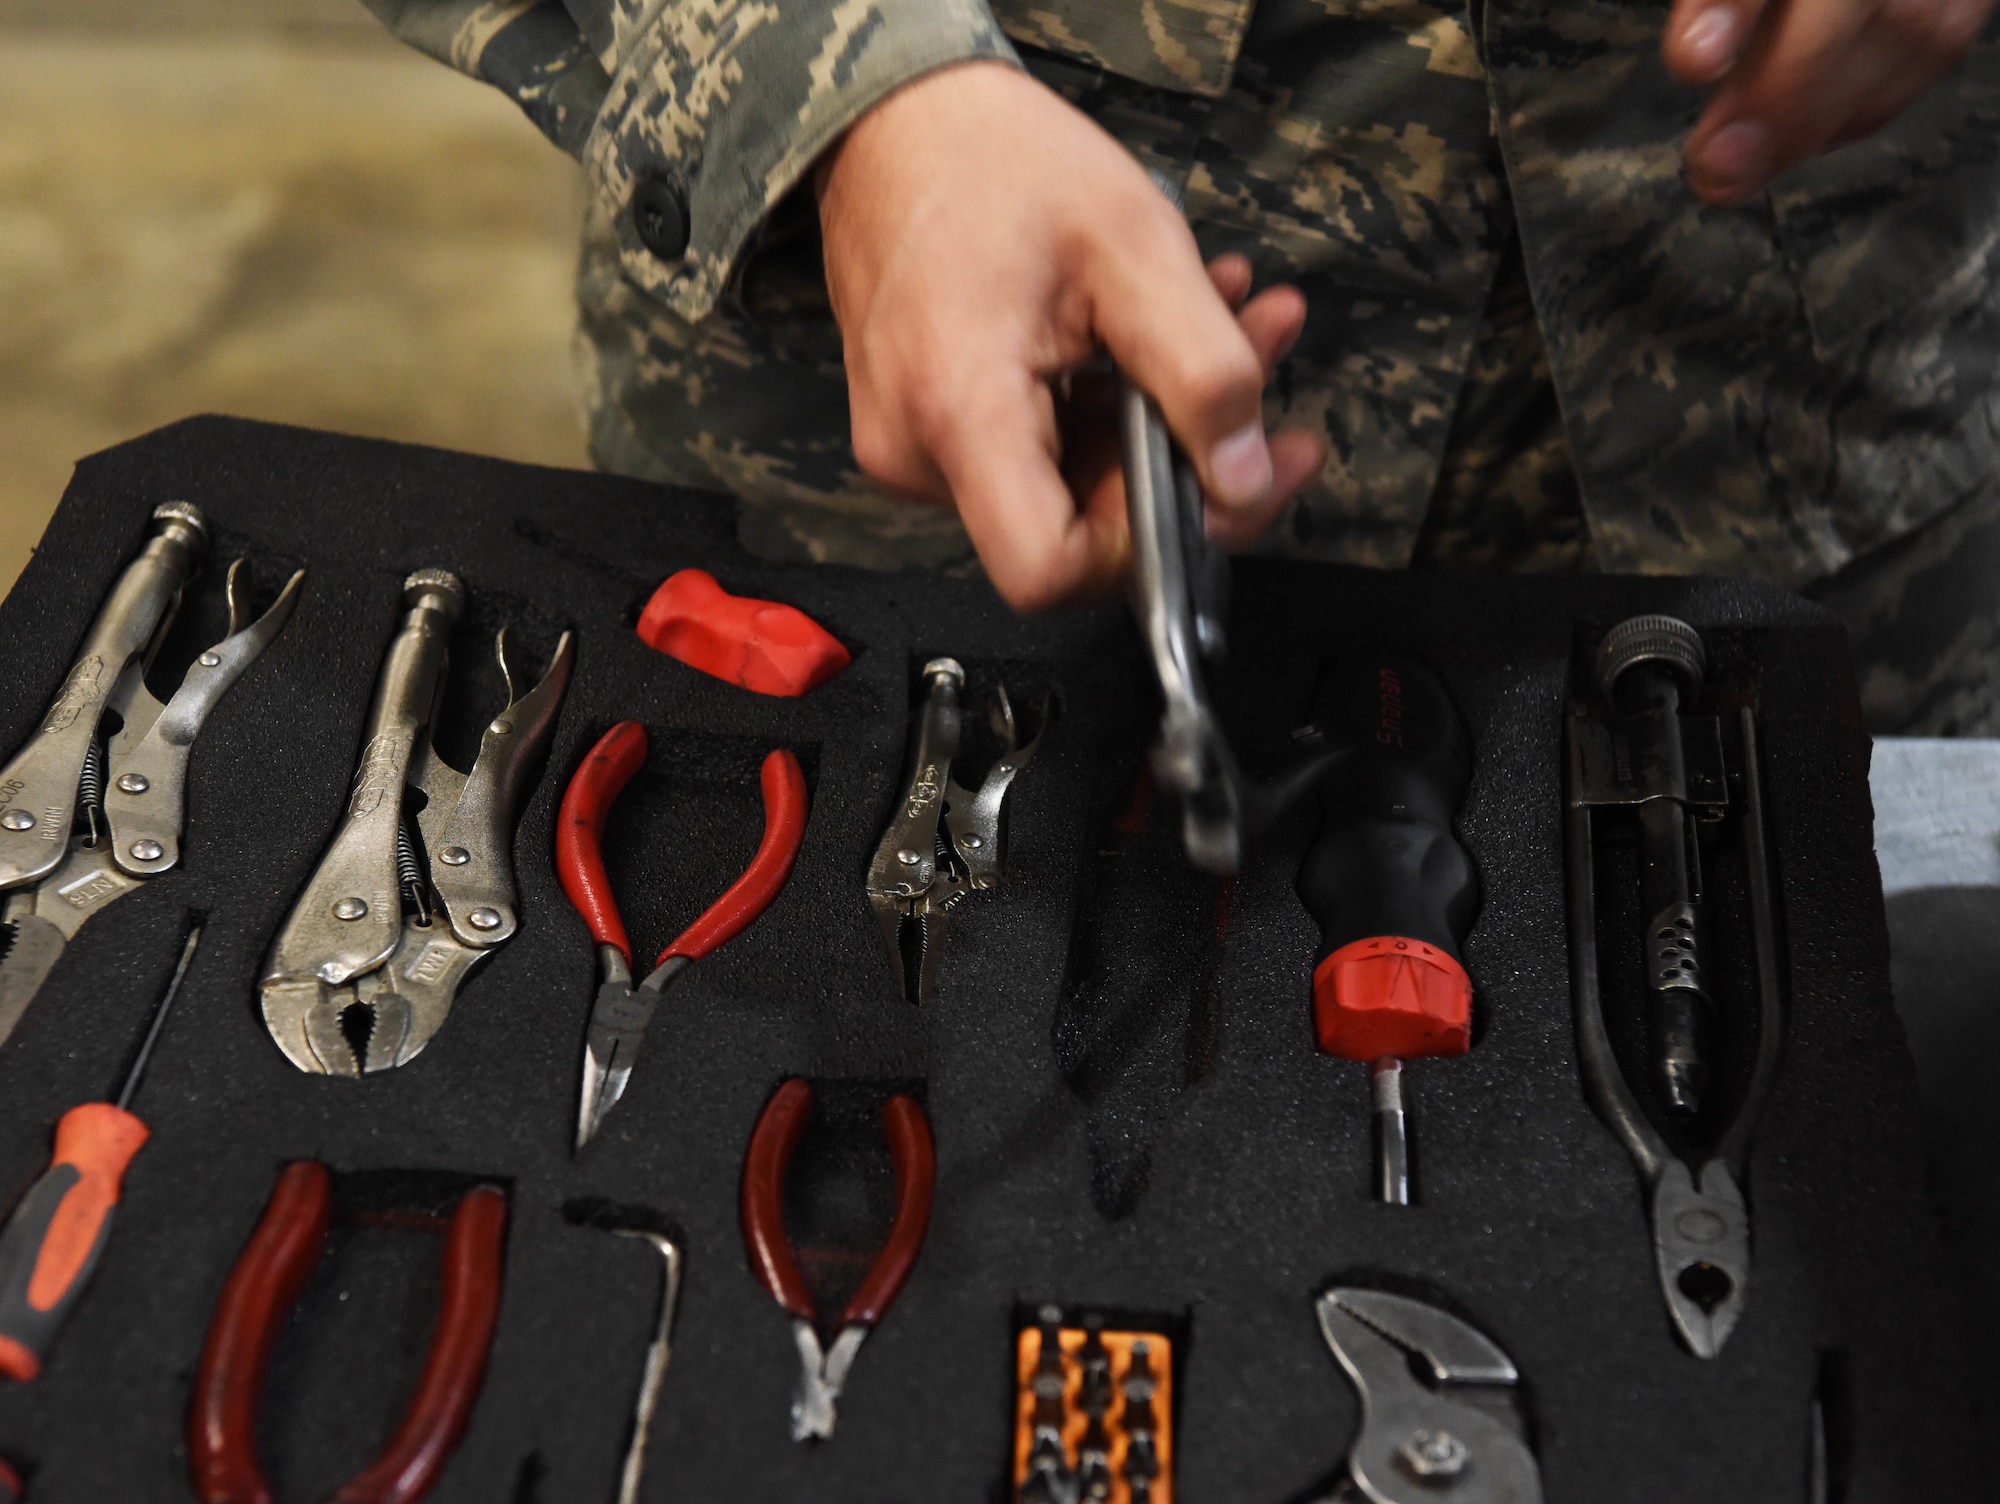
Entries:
{"x":1171,"y":330}
{"x":1814,"y":74}
{"x":1705,"y":37}
{"x":998,"y":451}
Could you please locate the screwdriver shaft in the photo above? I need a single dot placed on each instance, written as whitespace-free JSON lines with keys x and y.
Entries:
{"x":1392,"y":1132}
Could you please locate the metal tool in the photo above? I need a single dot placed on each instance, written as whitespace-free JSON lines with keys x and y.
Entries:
{"x":84,"y":821}
{"x":56,"y":1234}
{"x":943,"y":842}
{"x":1437,"y":1420}
{"x":622,"y":1011}
{"x":1392,"y":890}
{"x":1665,"y":771}
{"x":823,"y":1370}
{"x":1093,"y":1411}
{"x":1180,"y":595}
{"x":257,"y":1299}
{"x":657,"y":1353}
{"x":404,"y":906}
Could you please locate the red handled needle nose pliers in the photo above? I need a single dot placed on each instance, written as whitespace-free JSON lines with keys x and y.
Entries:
{"x":622,"y":1011}
{"x":824,"y":1370}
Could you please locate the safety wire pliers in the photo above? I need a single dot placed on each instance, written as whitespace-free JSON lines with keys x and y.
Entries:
{"x":366,"y":968}
{"x":823,"y":1370}
{"x":943,"y":841}
{"x":84,"y":821}
{"x":619,"y":1017}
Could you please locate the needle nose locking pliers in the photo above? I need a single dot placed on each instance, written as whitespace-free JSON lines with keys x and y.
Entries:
{"x":943,"y":841}
{"x":823,"y":1370}
{"x":366,"y":968}
{"x":83,"y":821}
{"x":619,"y":1017}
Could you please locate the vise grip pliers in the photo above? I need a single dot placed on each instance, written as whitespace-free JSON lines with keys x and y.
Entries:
{"x":84,"y":821}
{"x":943,"y":841}
{"x":368,"y":964}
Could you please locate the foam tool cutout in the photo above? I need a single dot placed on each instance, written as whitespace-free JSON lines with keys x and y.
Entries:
{"x":763,"y":646}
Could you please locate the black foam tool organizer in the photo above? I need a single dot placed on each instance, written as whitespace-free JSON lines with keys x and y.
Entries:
{"x":1097,"y":1145}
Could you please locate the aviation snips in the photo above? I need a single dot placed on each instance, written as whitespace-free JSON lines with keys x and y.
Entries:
{"x":402,"y":909}
{"x":83,"y":820}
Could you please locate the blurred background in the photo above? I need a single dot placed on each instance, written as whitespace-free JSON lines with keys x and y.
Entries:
{"x":267,"y":208}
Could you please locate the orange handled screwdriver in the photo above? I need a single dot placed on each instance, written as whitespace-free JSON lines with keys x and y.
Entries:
{"x":52,"y":1241}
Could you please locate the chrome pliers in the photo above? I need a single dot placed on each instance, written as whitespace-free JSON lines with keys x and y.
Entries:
{"x":407,"y":902}
{"x":1439,"y":1412}
{"x":943,"y":841}
{"x":85,"y":820}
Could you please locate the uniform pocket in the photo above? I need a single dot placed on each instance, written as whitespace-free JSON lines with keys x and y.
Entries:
{"x":1188,"y":46}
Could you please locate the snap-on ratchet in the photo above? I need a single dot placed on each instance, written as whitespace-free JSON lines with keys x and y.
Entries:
{"x":1437,"y":1419}
{"x":84,"y":821}
{"x":943,"y":841}
{"x":1665,"y":769}
{"x":366,"y":968}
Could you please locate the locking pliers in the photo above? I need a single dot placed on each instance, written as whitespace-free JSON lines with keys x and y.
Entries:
{"x":943,"y":841}
{"x":83,"y":820}
{"x":402,"y":908}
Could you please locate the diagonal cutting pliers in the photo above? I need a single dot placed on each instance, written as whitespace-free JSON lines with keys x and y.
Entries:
{"x":823,"y":1370}
{"x":619,"y":1017}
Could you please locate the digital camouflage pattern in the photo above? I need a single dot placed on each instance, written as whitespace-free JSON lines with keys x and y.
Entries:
{"x":1529,"y":346}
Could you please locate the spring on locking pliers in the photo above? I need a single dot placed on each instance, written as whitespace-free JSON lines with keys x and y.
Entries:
{"x":90,"y":793}
{"x":410,"y":876}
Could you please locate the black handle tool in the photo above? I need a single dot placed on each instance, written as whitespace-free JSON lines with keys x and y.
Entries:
{"x":1393,"y":891}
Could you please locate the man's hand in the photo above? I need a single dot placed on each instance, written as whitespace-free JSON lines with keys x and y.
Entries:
{"x":984,"y":240}
{"x":1795,"y":77}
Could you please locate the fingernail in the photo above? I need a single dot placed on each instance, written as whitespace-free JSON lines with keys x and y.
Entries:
{"x":1241,"y":466}
{"x":1710,"y":40}
{"x":1736,"y":159}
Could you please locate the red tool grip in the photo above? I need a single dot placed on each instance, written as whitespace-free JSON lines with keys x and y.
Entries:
{"x":11,"y":1490}
{"x":914,"y":1156}
{"x":1391,"y":995}
{"x":441,"y":1406}
{"x":53,"y":1239}
{"x":762,"y":1199}
{"x":784,"y":785}
{"x":597,"y":782}
{"x":757,"y":645}
{"x":269,"y":1273}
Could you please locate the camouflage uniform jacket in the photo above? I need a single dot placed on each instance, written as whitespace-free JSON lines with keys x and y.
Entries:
{"x":1779,"y":388}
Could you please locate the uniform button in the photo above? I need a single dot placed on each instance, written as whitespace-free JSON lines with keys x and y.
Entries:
{"x":659,"y":213}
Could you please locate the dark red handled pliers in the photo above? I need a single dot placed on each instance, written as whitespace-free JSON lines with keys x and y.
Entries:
{"x":824,"y":1370}
{"x":269,"y":1273}
{"x":619,"y":1017}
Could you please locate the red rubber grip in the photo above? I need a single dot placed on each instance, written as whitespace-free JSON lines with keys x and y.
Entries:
{"x":269,"y":1273}
{"x":784,"y":784}
{"x":441,"y":1406}
{"x":761,"y":1201}
{"x":914,"y":1156}
{"x":595,"y":785}
{"x":11,"y":1491}
{"x":1391,"y":995}
{"x":99,"y":1140}
{"x":762,"y":646}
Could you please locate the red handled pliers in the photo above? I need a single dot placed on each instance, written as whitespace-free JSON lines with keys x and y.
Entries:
{"x":619,"y":1017}
{"x":824,"y":1370}
{"x":270,"y":1272}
